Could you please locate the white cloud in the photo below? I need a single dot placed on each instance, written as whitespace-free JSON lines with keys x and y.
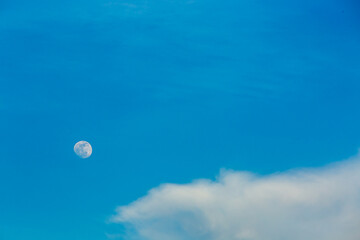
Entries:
{"x":312,"y":204}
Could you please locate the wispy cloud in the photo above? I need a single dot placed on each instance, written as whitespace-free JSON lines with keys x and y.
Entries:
{"x":310,"y":204}
{"x":113,"y":236}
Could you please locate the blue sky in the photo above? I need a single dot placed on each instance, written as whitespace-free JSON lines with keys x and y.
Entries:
{"x":166,"y":92}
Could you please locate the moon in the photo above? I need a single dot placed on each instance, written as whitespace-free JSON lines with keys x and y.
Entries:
{"x":83,"y":149}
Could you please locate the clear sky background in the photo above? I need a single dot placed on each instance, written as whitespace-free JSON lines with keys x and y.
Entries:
{"x":165,"y":91}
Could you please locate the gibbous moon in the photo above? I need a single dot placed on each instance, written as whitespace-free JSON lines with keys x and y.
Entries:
{"x":83,"y":149}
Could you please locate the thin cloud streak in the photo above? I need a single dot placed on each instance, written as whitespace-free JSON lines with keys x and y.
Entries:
{"x":311,"y":204}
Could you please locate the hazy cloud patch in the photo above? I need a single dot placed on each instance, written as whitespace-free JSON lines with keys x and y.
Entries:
{"x":307,"y":204}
